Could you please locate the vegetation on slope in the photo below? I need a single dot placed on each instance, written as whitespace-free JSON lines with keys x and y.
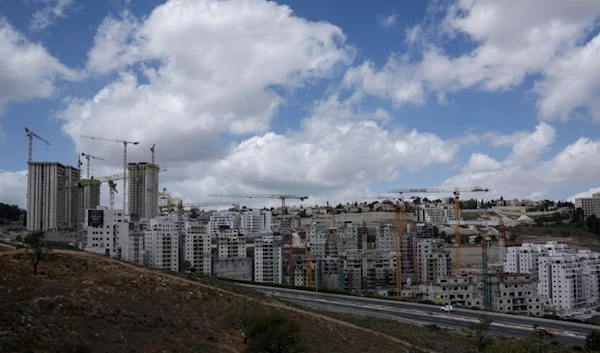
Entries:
{"x":11,"y":213}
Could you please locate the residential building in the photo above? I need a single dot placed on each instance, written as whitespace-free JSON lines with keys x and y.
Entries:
{"x":515,"y":293}
{"x":52,"y":196}
{"x":569,"y":280}
{"x":231,"y":244}
{"x":164,"y":199}
{"x":223,"y":219}
{"x":108,"y":233}
{"x":589,"y":205}
{"x":435,"y":213}
{"x":385,"y":237}
{"x":143,"y":189}
{"x":524,"y":259}
{"x":91,"y":198}
{"x":256,"y":221}
{"x":268,"y":260}
{"x":434,"y":260}
{"x":161,"y":239}
{"x":198,"y":247}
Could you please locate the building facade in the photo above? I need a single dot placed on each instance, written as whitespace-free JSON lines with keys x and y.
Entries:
{"x":268,"y":259}
{"x":53,"y":200}
{"x":143,"y":189}
{"x":589,"y":205}
{"x":108,"y":233}
{"x":161,"y":240}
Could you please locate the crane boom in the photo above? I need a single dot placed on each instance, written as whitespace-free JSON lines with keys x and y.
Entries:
{"x":31,"y":135}
{"x":125,"y":143}
{"x":262,"y":196}
{"x":88,"y":157}
{"x":208,"y":204}
{"x":456,"y":191}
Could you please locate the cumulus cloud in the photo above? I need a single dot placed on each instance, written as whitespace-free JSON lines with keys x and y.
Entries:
{"x":583,"y":194}
{"x":13,"y":188}
{"x":527,"y":172}
{"x":511,"y":41}
{"x":389,"y":20}
{"x":51,"y":11}
{"x":27,"y":70}
{"x":207,"y":68}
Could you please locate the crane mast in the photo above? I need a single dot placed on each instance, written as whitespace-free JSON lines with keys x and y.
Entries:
{"x":31,"y":135}
{"x":125,"y":143}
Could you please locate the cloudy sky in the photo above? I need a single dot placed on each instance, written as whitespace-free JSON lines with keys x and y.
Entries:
{"x":336,"y":99}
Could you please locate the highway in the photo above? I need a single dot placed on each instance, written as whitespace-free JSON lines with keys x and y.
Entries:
{"x":504,"y":324}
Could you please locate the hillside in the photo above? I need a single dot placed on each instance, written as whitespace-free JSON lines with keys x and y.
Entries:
{"x":577,"y":238}
{"x":84,"y":303}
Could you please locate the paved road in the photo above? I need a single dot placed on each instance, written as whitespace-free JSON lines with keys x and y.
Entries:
{"x":504,"y":324}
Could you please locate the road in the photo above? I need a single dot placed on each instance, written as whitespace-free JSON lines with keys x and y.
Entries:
{"x":504,"y":324}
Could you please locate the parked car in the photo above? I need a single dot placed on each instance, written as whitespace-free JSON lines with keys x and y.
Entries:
{"x":447,"y":308}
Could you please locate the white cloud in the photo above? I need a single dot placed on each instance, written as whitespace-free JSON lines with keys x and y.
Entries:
{"x":527,"y":173}
{"x":388,"y":21}
{"x":27,"y":70}
{"x":583,"y":194}
{"x":512,"y":40}
{"x":208,"y":67}
{"x":50,"y":13}
{"x":13,"y":188}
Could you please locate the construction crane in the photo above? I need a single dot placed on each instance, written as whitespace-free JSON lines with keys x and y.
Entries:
{"x":285,"y":228}
{"x":152,"y":151}
{"x":88,"y":157}
{"x":181,"y":231}
{"x":31,"y":135}
{"x":125,"y":143}
{"x":456,"y":192}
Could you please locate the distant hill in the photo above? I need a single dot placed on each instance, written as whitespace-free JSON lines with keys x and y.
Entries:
{"x":577,"y":238}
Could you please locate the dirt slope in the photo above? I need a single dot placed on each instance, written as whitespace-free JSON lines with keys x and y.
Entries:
{"x":84,"y":303}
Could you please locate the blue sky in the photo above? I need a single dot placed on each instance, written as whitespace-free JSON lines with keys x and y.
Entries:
{"x":335,"y":99}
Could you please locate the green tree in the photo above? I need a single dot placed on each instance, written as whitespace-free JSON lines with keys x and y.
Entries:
{"x":592,"y":341}
{"x":592,"y":224}
{"x":480,"y":330}
{"x":272,"y":332}
{"x":186,"y":266}
{"x":35,"y":248}
{"x":577,"y":217}
{"x":194,"y":213}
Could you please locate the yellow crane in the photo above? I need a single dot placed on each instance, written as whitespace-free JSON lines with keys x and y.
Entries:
{"x":456,"y":191}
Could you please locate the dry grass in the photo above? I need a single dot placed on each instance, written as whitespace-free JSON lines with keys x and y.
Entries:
{"x":577,"y":238}
{"x":83,"y":303}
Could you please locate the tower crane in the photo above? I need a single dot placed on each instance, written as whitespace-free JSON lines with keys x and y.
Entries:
{"x":284,"y":226}
{"x":31,"y":135}
{"x":456,"y":192}
{"x":180,"y":230}
{"x":88,"y":157}
{"x":125,"y":143}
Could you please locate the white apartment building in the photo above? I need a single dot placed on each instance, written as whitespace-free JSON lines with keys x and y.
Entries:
{"x":589,"y":205}
{"x":108,"y":233}
{"x":434,"y":260}
{"x":164,"y":199}
{"x":385,"y":237}
{"x":515,"y":293}
{"x":143,"y":189}
{"x":524,"y":259}
{"x":162,"y":243}
{"x":435,"y":214}
{"x":223,"y":219}
{"x":569,"y":280}
{"x":268,"y":259}
{"x":198,"y":247}
{"x":52,"y":201}
{"x":230,"y":244}
{"x":256,"y":221}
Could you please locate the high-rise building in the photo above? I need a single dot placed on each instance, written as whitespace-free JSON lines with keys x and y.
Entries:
{"x":91,"y":198}
{"x":52,"y":201}
{"x":108,"y":233}
{"x":268,"y":260}
{"x":589,"y":205}
{"x":143,"y":190}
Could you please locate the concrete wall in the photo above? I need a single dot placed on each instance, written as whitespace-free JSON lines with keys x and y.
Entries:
{"x":235,"y":268}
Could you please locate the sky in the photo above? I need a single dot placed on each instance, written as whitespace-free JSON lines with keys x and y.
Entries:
{"x":335,"y":99}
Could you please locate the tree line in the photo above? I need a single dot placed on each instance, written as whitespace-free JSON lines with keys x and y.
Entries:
{"x":11,"y":213}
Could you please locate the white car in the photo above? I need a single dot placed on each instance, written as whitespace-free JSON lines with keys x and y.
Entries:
{"x":447,"y":308}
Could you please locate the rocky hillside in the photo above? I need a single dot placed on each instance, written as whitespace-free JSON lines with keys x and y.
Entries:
{"x":84,"y":303}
